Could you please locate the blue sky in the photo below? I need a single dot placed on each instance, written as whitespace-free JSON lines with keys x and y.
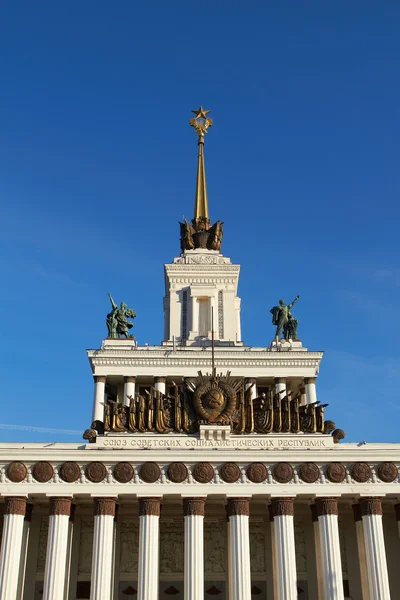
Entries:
{"x":97,"y":165}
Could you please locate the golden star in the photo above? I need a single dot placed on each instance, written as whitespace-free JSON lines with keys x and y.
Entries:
{"x":201,"y":113}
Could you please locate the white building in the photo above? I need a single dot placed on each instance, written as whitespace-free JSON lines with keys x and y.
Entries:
{"x":228,"y":483}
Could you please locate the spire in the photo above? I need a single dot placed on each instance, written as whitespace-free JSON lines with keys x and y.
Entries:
{"x":201,"y":123}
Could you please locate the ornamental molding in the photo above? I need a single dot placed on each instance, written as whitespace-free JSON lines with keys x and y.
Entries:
{"x":170,"y":361}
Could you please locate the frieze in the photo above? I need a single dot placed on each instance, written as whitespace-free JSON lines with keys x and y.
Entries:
{"x":336,"y":472}
{"x":282,"y":472}
{"x":16,"y":472}
{"x":149,"y":472}
{"x":95,"y":472}
{"x":257,"y":472}
{"x":360,"y":472}
{"x":43,"y":471}
{"x":387,"y":472}
{"x":123,"y":472}
{"x":203,"y":472}
{"x":177,"y":472}
{"x":69,"y":472}
{"x":309,"y":472}
{"x":230,"y":472}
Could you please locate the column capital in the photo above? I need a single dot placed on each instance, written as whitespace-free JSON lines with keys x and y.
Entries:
{"x":250,"y":380}
{"x":104,"y":506}
{"x":238,"y":506}
{"x":282,"y":507}
{"x":130,"y":379}
{"x":370,"y":506}
{"x":356,"y":512}
{"x":149,"y":506}
{"x":279,"y":379}
{"x":397,"y":510}
{"x":160,"y":379}
{"x":194,"y":506}
{"x":59,"y":506}
{"x":327,"y":506}
{"x":309,"y":380}
{"x":15,"y":505}
{"x":99,"y":378}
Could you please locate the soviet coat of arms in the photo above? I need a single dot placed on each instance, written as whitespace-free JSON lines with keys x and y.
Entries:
{"x":214,"y":397}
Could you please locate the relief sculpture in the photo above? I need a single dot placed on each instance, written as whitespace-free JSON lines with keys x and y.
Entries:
{"x":129,"y":547}
{"x":214,"y":547}
{"x":300,"y":541}
{"x":44,"y":530}
{"x":86,"y":546}
{"x":171,"y":548}
{"x":257,"y":547}
{"x":214,"y":399}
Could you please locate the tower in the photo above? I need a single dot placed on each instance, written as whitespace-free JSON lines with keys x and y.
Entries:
{"x":201,"y":284}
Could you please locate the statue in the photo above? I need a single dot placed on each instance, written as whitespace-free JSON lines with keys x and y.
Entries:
{"x":117,"y":320}
{"x":284,"y":321}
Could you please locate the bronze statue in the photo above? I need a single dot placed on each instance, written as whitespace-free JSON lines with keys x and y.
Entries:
{"x":117,"y":320}
{"x":283,"y":319}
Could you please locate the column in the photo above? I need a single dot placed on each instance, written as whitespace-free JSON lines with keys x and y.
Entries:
{"x":311,"y":391}
{"x":148,"y":567}
{"x":160,"y":384}
{"x":332,"y":577}
{"x":103,"y":548}
{"x":397,"y":509}
{"x":57,"y":544}
{"x":362,"y":558}
{"x":273,"y":575}
{"x":11,"y":546}
{"x":193,"y":511}
{"x":239,"y":555}
{"x":303,"y":397}
{"x":129,"y":389}
{"x":378,"y":580}
{"x":280,"y":386}
{"x":317,"y":547}
{"x":251,"y":382}
{"x":98,"y":399}
{"x":284,"y":548}
{"x":24,"y":553}
{"x":194,"y":330}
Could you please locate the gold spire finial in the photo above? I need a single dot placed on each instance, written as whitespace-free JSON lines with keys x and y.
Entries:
{"x":201,"y":123}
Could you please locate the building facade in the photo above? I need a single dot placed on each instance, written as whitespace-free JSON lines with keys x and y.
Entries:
{"x":210,"y":468}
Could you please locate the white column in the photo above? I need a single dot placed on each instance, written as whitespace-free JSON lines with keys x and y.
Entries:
{"x":193,"y":510}
{"x":284,"y":548}
{"x":332,"y":577}
{"x":397,"y":509}
{"x":303,"y":397}
{"x":194,"y":330}
{"x":103,"y":548}
{"x":280,"y":386}
{"x":11,"y":547}
{"x":129,"y":389}
{"x":148,"y":567}
{"x":378,"y":580}
{"x":362,"y":558}
{"x":24,"y":553}
{"x":251,"y":383}
{"x":57,"y":544}
{"x":239,"y":556}
{"x":317,"y":547}
{"x":98,"y":398}
{"x":273,"y":557}
{"x":160,"y":384}
{"x":311,"y":391}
